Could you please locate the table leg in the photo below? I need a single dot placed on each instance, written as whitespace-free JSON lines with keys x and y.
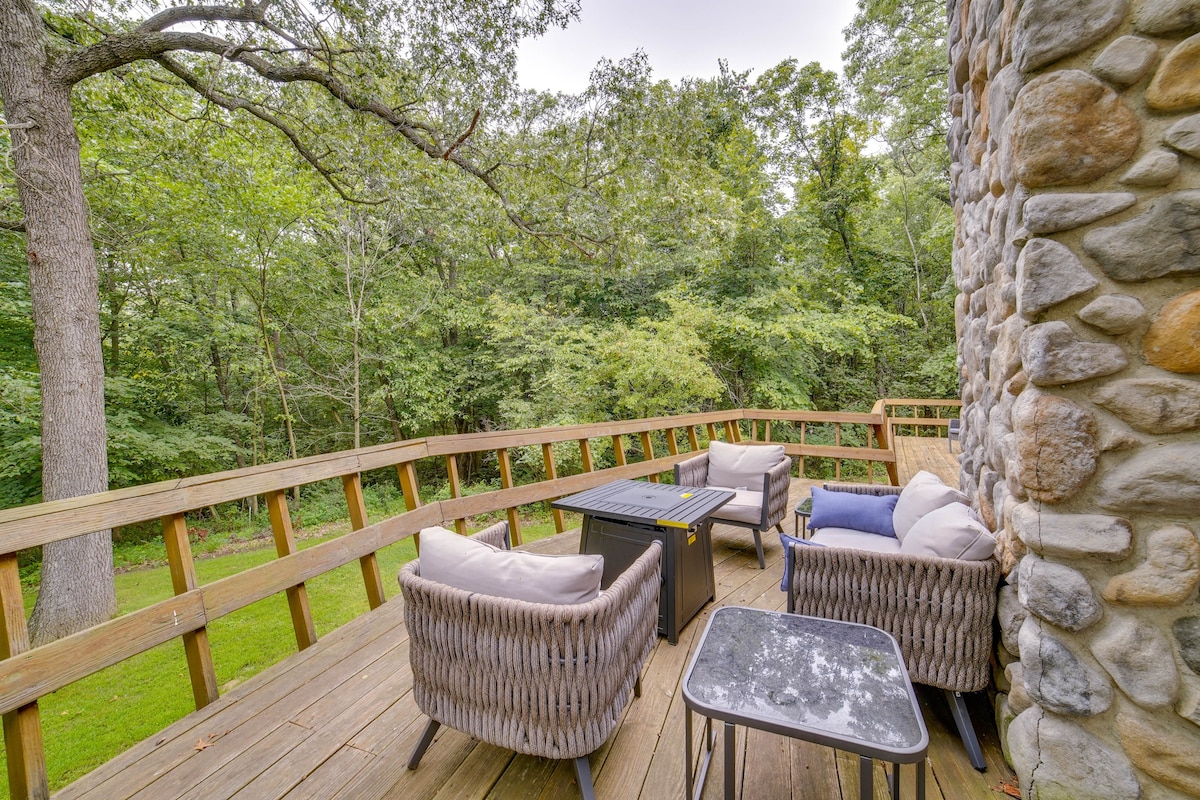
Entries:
{"x":687,"y":752}
{"x":695,"y":781}
{"x":921,"y":779}
{"x":730,"y":758}
{"x":866,"y":782}
{"x":894,"y":781}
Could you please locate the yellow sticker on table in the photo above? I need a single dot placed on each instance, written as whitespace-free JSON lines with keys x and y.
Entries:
{"x":670,"y":523}
{"x":692,"y":539}
{"x":685,"y":495}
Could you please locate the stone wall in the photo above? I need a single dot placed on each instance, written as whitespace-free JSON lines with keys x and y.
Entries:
{"x":1076,"y":182}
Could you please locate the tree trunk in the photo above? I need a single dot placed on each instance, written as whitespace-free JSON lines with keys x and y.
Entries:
{"x":77,"y":574}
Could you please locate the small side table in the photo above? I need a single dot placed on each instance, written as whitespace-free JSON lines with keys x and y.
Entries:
{"x":838,"y":684}
{"x":803,"y":510}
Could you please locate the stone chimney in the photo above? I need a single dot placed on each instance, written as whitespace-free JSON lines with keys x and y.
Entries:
{"x":1076,"y":183}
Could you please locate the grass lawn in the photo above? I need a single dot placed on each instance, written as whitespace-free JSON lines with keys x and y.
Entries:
{"x":93,"y":720}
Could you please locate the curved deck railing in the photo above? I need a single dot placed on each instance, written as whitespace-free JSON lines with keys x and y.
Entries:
{"x":27,"y":675}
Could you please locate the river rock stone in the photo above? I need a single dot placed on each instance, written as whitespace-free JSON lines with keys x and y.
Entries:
{"x":1164,"y":753}
{"x":1052,"y":355}
{"x":1070,"y":128}
{"x":1072,"y":536}
{"x":1049,"y":213}
{"x":1153,"y":405}
{"x":1173,"y":340}
{"x":1157,"y":480}
{"x":1058,"y":594}
{"x":1056,"y":446}
{"x":1157,"y":168}
{"x":1189,"y":700}
{"x":1184,"y":136}
{"x":1047,"y":30}
{"x":1018,"y":695}
{"x":1126,"y":61}
{"x":1138,"y":657}
{"x":1114,"y":313}
{"x":1165,"y":240}
{"x":1162,"y":17}
{"x":1176,"y":84}
{"x":1049,"y":273}
{"x":1011,"y":615}
{"x":1056,"y":759}
{"x":1059,"y":680}
{"x":1187,"y":636}
{"x":1168,"y":576}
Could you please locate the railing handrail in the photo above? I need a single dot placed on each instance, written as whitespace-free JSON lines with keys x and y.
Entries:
{"x":27,"y":674}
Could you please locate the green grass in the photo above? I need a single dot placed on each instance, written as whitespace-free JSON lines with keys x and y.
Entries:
{"x":93,"y":720}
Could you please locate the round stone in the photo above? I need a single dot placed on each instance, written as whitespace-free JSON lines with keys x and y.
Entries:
{"x":1053,"y":355}
{"x":1153,"y":405}
{"x":1161,"y":750}
{"x":1126,"y":61}
{"x":1163,"y":17}
{"x":1058,"y":679}
{"x":1173,"y":340}
{"x":1157,"y":168}
{"x":1184,"y":136}
{"x":1056,"y":446}
{"x":1114,"y":313}
{"x":1048,"y":30}
{"x":1138,"y":657}
{"x":1070,"y":128}
{"x":1160,"y":479}
{"x":1164,"y":240}
{"x":1176,"y":84}
{"x":1058,"y":594}
{"x":1050,"y":213}
{"x":1187,"y":635}
{"x":1056,"y":759}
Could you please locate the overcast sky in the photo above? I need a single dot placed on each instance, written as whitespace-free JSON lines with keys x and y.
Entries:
{"x":686,"y":38}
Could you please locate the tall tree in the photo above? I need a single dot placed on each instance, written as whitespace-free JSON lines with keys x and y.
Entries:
{"x":381,"y":59}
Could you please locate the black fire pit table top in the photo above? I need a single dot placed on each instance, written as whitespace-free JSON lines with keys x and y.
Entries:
{"x":649,"y":503}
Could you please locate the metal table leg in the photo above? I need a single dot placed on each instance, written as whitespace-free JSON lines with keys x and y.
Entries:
{"x":866,"y":779}
{"x":730,"y":758}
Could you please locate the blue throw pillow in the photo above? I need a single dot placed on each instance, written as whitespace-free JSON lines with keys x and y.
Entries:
{"x":859,"y":512}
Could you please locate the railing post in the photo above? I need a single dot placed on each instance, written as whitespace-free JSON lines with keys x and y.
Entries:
{"x":460,"y":524}
{"x":506,"y":482}
{"x":585,"y":456}
{"x":619,"y":449}
{"x":183,"y":579}
{"x":711,"y":430}
{"x":672,"y":444}
{"x":26,"y":754}
{"x":357,"y":505}
{"x":648,"y":453}
{"x":693,"y":438}
{"x":285,"y":544}
{"x":412,"y":496}
{"x":766,"y":430}
{"x":732,"y":434}
{"x":560,"y":524}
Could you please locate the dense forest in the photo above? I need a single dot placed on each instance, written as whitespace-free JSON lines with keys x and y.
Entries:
{"x":778,"y":240}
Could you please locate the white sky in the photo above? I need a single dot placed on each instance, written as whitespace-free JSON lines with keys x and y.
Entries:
{"x":685,"y":38}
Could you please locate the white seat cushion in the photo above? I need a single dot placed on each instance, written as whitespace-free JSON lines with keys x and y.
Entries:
{"x":859,"y":540}
{"x":950,"y":532}
{"x":737,"y":465}
{"x":476,"y":566}
{"x":746,"y":506}
{"x":918,"y":498}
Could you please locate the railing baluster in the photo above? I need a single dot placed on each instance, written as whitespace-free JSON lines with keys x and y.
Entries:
{"x":552,"y":474}
{"x":648,"y":452}
{"x":460,"y":524}
{"x":412,"y":494}
{"x":585,"y":455}
{"x":837,"y":442}
{"x":766,"y":430}
{"x":183,"y":579}
{"x":803,"y":434}
{"x":693,"y":438}
{"x":506,"y":482}
{"x":285,"y":544}
{"x":23,"y":745}
{"x":732,"y":434}
{"x":754,"y":430}
{"x":368,"y":564}
{"x":870,"y":463}
{"x":619,"y":449}
{"x":711,"y":430}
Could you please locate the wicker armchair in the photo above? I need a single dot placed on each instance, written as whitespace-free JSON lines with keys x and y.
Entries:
{"x":765,"y":505}
{"x":540,"y":679}
{"x":940,"y":610}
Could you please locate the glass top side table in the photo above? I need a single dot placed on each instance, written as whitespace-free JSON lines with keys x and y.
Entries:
{"x":834,"y":683}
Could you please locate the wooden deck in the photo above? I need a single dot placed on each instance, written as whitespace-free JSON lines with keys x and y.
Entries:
{"x":338,"y":721}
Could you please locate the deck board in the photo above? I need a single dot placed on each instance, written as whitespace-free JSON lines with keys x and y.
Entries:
{"x":338,"y":720}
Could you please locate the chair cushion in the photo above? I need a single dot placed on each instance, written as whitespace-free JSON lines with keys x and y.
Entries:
{"x":860,"y":512}
{"x":741,"y":465}
{"x":950,"y":532}
{"x":918,"y":498}
{"x":475,"y":566}
{"x":859,"y":540}
{"x":746,"y":506}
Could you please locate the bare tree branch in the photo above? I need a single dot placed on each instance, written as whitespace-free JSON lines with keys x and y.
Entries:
{"x":12,"y":225}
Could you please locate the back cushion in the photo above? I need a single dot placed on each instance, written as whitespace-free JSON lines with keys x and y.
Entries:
{"x":950,"y":532}
{"x":919,"y":498}
{"x":734,"y":465}
{"x":475,"y":566}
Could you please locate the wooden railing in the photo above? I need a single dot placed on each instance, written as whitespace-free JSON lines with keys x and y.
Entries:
{"x":921,"y":413}
{"x":27,"y":675}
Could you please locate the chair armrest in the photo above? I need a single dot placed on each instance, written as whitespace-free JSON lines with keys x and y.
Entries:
{"x":495,"y":535}
{"x":877,"y":489}
{"x":939,"y":609}
{"x":693,"y":471}
{"x":776,"y":484}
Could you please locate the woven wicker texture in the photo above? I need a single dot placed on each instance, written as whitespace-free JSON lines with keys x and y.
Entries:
{"x":940,"y":610}
{"x":544,"y":680}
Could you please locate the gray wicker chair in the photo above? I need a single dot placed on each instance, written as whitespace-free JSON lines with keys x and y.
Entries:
{"x":940,"y":610}
{"x":774,"y":485}
{"x":543,"y":680}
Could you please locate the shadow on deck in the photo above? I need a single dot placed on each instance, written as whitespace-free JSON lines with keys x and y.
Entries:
{"x":338,"y":721}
